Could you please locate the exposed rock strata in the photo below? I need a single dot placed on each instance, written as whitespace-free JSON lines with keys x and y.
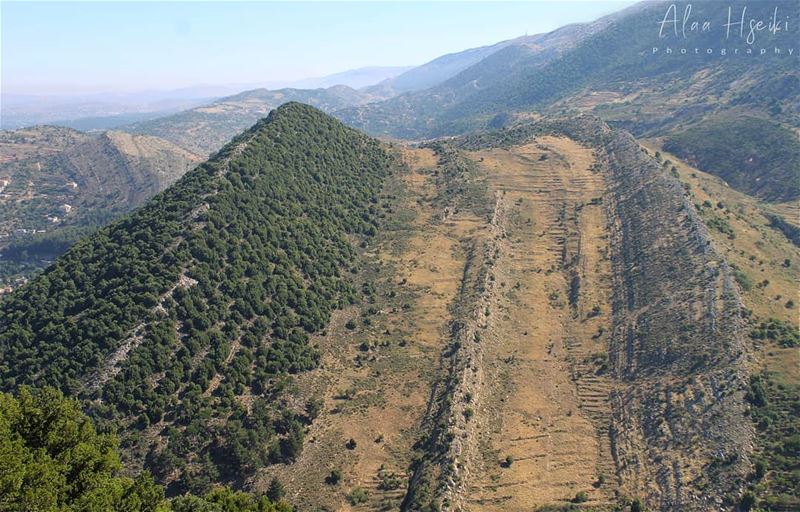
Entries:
{"x":679,"y":431}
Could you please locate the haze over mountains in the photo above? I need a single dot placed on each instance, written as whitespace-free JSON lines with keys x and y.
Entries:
{"x":564,"y":279}
{"x":105,"y":110}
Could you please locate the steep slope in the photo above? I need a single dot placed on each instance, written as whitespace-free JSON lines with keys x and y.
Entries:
{"x":59,"y":184}
{"x":203,"y":130}
{"x":631,"y":327}
{"x":752,"y":154}
{"x":179,"y":323}
{"x":612,"y":68}
{"x":764,"y":261}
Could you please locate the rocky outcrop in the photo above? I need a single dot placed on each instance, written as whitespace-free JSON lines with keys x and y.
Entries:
{"x":680,"y":435}
{"x":441,"y":474}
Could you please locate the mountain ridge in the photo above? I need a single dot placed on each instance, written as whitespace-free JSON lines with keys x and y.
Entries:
{"x":144,"y":300}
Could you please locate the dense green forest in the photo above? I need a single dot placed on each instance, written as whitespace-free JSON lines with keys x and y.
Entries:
{"x":752,"y":154}
{"x":53,"y":459}
{"x":181,"y":321}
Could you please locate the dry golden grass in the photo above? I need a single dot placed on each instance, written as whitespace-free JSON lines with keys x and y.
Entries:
{"x":390,"y":391}
{"x":547,"y":422}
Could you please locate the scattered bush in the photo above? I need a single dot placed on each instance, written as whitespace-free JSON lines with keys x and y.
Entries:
{"x":334,"y":478}
{"x":357,"y":496}
{"x":581,"y":497}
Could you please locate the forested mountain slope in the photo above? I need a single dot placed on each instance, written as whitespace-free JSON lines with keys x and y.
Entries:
{"x":618,"y":68}
{"x":613,"y":55}
{"x":752,"y":154}
{"x":176,"y":322}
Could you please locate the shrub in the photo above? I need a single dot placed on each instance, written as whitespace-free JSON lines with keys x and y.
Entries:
{"x":581,"y":497}
{"x":276,"y":491}
{"x":357,"y":496}
{"x":744,"y":281}
{"x":334,"y":478}
{"x":748,"y":501}
{"x":389,"y":482}
{"x":784,"y":334}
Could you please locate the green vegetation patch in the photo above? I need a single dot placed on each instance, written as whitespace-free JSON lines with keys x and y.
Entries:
{"x":752,"y":154}
{"x":186,"y":315}
{"x":783,"y":333}
{"x":52,"y":458}
{"x":775,"y":483}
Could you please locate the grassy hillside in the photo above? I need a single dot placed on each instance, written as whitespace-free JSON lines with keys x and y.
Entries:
{"x":178,"y":322}
{"x":751,"y":154}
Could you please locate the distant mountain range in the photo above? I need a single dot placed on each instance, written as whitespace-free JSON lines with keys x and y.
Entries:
{"x":206,"y":128}
{"x":619,"y":69}
{"x":100,"y":111}
{"x":606,"y":67}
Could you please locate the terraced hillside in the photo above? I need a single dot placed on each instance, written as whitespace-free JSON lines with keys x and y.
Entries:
{"x":577,"y":367}
{"x":529,"y":319}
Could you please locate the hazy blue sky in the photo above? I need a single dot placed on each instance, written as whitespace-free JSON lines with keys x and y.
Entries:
{"x":98,"y":46}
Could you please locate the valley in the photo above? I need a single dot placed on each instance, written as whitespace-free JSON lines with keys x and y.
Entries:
{"x":557,"y":273}
{"x":58,"y":185}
